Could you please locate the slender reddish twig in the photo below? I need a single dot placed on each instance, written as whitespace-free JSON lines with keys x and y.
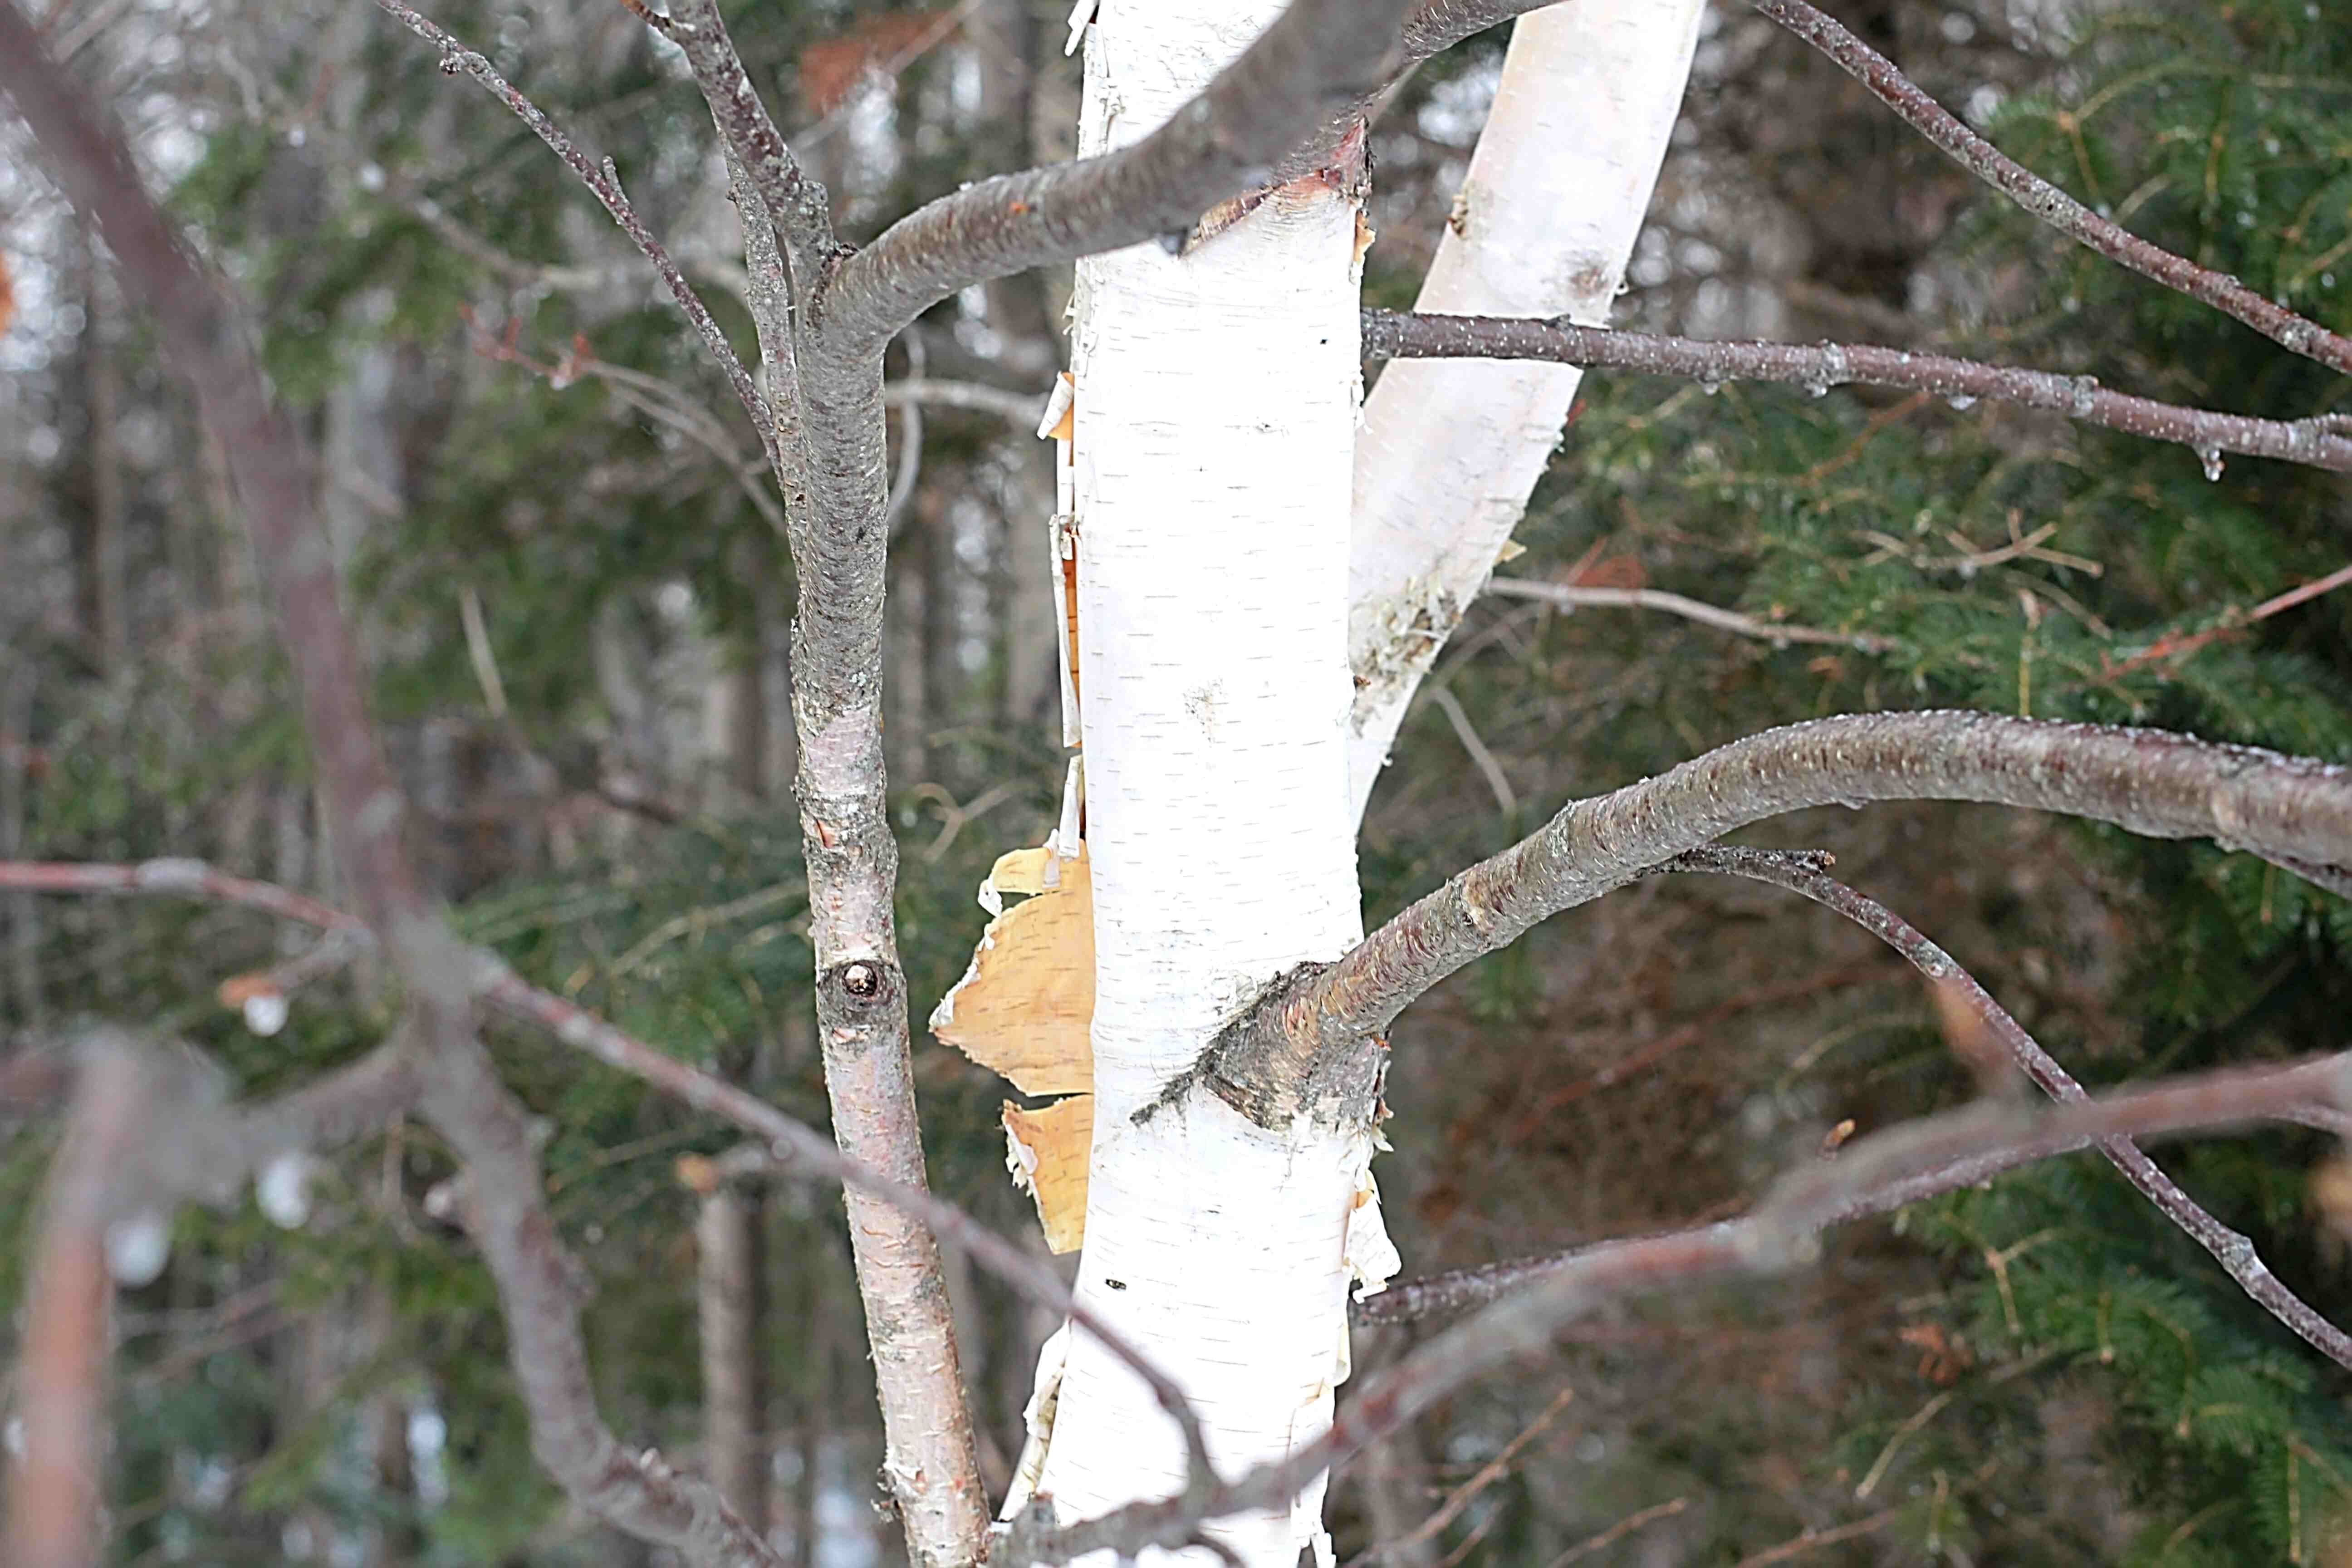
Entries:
{"x":2231,"y":621}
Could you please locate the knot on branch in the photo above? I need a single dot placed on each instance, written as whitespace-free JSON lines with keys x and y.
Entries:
{"x":1280,"y":1058}
{"x":857,"y":990}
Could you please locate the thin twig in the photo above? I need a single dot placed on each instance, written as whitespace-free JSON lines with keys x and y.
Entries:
{"x":1462,"y":1496}
{"x":1497,"y":780}
{"x":1021,"y":407}
{"x":2046,"y":201}
{"x":1576,"y":595}
{"x":604,"y":180}
{"x":2233,"y":1250}
{"x":2231,"y":621}
{"x":1810,"y":1539}
{"x":1620,"y":1531}
{"x":2325,"y":442}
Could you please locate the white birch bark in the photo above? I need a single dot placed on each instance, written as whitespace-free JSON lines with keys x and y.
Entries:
{"x":1216,"y":403}
{"x":1545,"y":224}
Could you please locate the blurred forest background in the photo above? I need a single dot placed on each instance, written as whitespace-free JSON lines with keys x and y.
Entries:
{"x":569,"y":575}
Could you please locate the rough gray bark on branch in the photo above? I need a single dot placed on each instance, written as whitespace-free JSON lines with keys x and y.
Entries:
{"x":2324,"y":443}
{"x":1877,"y":1172}
{"x":2294,"y":812}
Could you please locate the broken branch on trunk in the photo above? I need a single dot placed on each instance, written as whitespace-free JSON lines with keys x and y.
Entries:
{"x":1870,"y":1175}
{"x":2047,"y":202}
{"x":2233,"y":1251}
{"x":2324,"y":443}
{"x":2292,"y":811}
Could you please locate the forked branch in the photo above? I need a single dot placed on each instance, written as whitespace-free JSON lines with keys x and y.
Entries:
{"x":1313,"y":65}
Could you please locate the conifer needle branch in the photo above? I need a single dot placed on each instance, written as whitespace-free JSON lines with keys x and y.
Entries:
{"x":603,"y":181}
{"x":2234,"y":1252}
{"x":1876,"y":1173}
{"x":2321,"y":443}
{"x":793,"y":1145}
{"x":2046,"y":201}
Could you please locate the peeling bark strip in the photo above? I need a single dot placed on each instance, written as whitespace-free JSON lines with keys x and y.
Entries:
{"x":2293,"y":811}
{"x":2325,"y":442}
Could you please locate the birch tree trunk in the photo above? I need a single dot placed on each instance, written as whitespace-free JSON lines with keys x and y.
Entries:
{"x":1543,"y":226}
{"x":1216,"y":396}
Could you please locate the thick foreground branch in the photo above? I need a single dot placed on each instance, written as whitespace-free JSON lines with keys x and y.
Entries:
{"x":1311,"y":66}
{"x":2293,"y":811}
{"x":1871,"y":1176}
{"x":2323,"y":443}
{"x":204,"y":340}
